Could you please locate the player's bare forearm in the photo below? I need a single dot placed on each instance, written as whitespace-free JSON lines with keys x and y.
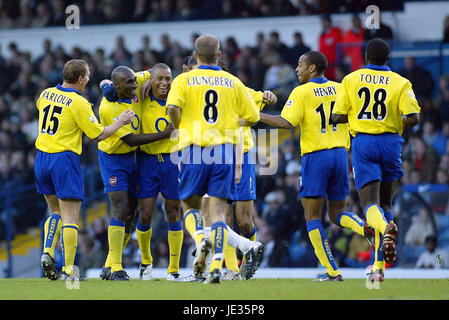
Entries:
{"x":174,"y":113}
{"x":275,"y":121}
{"x":245,"y":123}
{"x":410,"y":120}
{"x":339,"y":118}
{"x":126,"y":117}
{"x":144,"y":138}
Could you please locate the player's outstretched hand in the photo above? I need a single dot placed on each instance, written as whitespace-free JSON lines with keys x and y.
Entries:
{"x":105,"y":81}
{"x":126,"y":117}
{"x":269,"y":97}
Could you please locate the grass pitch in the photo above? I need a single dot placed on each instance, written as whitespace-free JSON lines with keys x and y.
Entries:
{"x":253,"y":289}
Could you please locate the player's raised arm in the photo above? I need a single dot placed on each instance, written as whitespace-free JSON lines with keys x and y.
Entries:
{"x":174,"y":113}
{"x":275,"y":121}
{"x":126,"y":117}
{"x":249,"y":115}
{"x":144,"y":138}
{"x":342,"y":105}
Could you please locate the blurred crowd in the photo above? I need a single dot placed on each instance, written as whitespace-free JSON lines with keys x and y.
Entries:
{"x":45,"y":13}
{"x":269,"y":65}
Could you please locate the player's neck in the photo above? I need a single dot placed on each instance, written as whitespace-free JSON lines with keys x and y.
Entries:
{"x":316,"y":75}
{"x":201,"y":63}
{"x":75,"y":86}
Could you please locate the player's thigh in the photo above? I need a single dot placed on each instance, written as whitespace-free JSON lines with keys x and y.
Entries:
{"x":53,"y":203}
{"x":392,"y":157}
{"x":366,"y":160}
{"x":42,"y":173}
{"x":70,"y":210}
{"x":315,"y":174}
{"x":313,"y":207}
{"x":67,"y":175}
{"x":338,"y":182}
{"x":168,"y":178}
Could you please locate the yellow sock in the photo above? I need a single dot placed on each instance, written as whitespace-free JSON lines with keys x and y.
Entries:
{"x":126,"y":239}
{"x":107,"y":264}
{"x":230,"y":257}
{"x":219,"y":240}
{"x":320,"y":243}
{"x":116,"y":233}
{"x":52,"y":231}
{"x":69,"y":244}
{"x":194,"y":224}
{"x":379,"y":262}
{"x":144,"y":238}
{"x":375,"y":218}
{"x":351,"y":221}
{"x":175,"y":239}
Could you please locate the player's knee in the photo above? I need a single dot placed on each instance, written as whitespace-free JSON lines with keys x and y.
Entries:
{"x":173,"y":210}
{"x":120,"y":210}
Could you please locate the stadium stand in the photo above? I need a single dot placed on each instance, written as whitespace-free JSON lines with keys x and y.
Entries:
{"x":279,"y":216}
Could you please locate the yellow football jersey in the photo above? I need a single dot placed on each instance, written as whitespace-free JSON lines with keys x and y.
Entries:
{"x":109,"y":111}
{"x":155,"y":119}
{"x":211,"y":102}
{"x":375,"y":99}
{"x":64,"y":114}
{"x":309,"y":106}
{"x":248,"y":141}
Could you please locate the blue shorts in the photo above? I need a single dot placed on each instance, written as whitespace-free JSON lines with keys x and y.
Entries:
{"x":157,"y":173}
{"x":207,"y":170}
{"x":246,"y":189}
{"x":60,"y":174}
{"x":376,"y":157}
{"x":325,"y":173}
{"x":119,"y":171}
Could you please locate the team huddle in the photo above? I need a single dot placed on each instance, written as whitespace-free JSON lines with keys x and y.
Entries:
{"x":189,"y":139}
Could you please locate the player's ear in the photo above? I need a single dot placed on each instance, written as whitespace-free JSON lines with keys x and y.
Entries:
{"x":312,"y":68}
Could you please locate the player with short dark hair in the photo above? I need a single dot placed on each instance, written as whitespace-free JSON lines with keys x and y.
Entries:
{"x":119,"y":162}
{"x":158,"y":174}
{"x":64,"y":114}
{"x":324,"y":171}
{"x":378,"y":104}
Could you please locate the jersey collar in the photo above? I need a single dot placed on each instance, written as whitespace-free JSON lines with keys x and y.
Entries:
{"x":124,"y":100}
{"x":161,"y":102}
{"x":319,"y":80}
{"x":59,"y":87}
{"x":216,"y":68}
{"x":376,"y":67}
